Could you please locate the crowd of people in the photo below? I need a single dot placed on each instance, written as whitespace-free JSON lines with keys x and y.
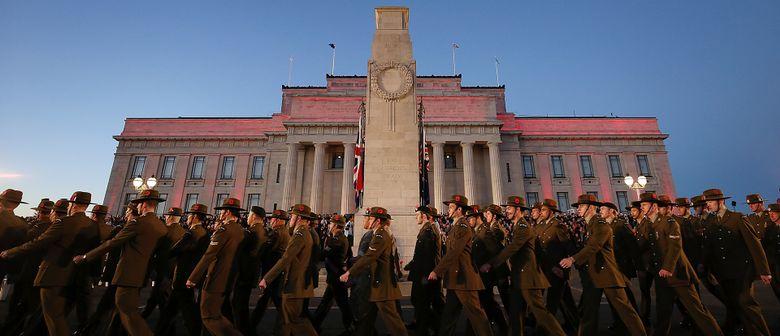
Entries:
{"x":205,"y":267}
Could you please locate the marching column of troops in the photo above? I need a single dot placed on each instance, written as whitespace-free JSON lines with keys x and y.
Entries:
{"x":206,"y":268}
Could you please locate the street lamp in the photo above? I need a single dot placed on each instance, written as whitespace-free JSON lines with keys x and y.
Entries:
{"x":637,"y":185}
{"x":139,"y":184}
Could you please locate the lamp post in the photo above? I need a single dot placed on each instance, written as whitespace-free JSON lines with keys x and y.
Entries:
{"x":140,"y":185}
{"x":637,"y":184}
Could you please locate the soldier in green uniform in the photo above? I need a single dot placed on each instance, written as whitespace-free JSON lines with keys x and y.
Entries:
{"x":706,"y":278}
{"x":13,"y":229}
{"x":626,"y":254}
{"x":276,"y":244}
{"x":186,"y":253}
{"x":162,"y":262}
{"x":528,"y":280}
{"x":360,"y":291}
{"x":733,"y":253}
{"x":335,"y":252}
{"x":599,"y":259}
{"x":771,"y":244}
{"x":294,"y":264}
{"x":494,"y":217}
{"x":661,"y":238}
{"x":759,"y":218}
{"x":213,"y":269}
{"x":426,"y":295}
{"x":379,"y":260}
{"x":251,"y":252}
{"x":486,"y":245}
{"x":64,"y":238}
{"x":555,"y":243}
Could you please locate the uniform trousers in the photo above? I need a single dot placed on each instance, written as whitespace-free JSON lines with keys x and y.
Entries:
{"x":211,"y":314}
{"x":293,"y":321}
{"x":458,"y":300}
{"x":428,"y":303}
{"x":740,"y":300}
{"x":53,"y":304}
{"x":591,"y":301}
{"x":127,"y":299}
{"x":181,"y":300}
{"x":388,"y":311}
{"x":689,"y":298}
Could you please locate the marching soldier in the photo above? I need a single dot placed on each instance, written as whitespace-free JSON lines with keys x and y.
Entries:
{"x":426,"y":295}
{"x":296,"y":282}
{"x":626,"y":253}
{"x":64,"y":238}
{"x":706,"y":278}
{"x":138,"y":241}
{"x":213,"y":269}
{"x":528,"y":280}
{"x":555,"y":243}
{"x":13,"y":229}
{"x":361,"y":285}
{"x":186,"y":253}
{"x":162,"y":262}
{"x":759,"y":218}
{"x":604,"y":277}
{"x":252,"y":250}
{"x":772,"y":246}
{"x":661,"y":237}
{"x":276,"y":244}
{"x":643,"y":273}
{"x":335,"y":252}
{"x":486,"y":245}
{"x":459,"y":276}
{"x":733,"y":253}
{"x":379,"y":260}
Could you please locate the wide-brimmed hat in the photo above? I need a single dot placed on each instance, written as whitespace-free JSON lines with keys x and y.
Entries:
{"x":379,"y":212}
{"x":713,"y":194}
{"x":426,"y":210}
{"x":550,"y":204}
{"x":665,"y":200}
{"x":13,"y":196}
{"x":588,"y":199}
{"x":774,"y":207}
{"x":44,"y":206}
{"x":754,"y":198}
{"x":61,"y":206}
{"x":304,"y":211}
{"x":435,"y":212}
{"x":537,"y":206}
{"x":174,"y":211}
{"x":682,"y":202}
{"x":81,"y":197}
{"x":279,"y":214}
{"x":257,"y":210}
{"x":634,"y":205}
{"x":458,"y":200}
{"x":198,"y":208}
{"x":338,"y":220}
{"x":698,"y":200}
{"x":610,"y":205}
{"x":473,"y":211}
{"x":99,"y":209}
{"x":516,"y":201}
{"x":148,"y":195}
{"x":494,"y":209}
{"x":650,"y":197}
{"x":231,"y":203}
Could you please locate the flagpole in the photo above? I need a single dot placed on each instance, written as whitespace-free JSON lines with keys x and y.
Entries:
{"x":289,"y":72}
{"x":497,"y":82}
{"x":454,"y":46}
{"x":333,"y":59}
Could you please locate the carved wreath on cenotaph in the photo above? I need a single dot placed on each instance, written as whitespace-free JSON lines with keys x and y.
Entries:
{"x":391,"y":81}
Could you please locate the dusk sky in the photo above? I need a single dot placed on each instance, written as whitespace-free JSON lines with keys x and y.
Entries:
{"x":72,"y":71}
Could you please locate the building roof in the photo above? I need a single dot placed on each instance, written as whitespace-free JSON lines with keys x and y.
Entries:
{"x":201,"y":127}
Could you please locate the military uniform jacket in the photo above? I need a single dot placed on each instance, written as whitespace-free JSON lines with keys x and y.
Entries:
{"x":691,"y":239}
{"x":379,"y":258}
{"x":138,"y":241}
{"x":731,"y":247}
{"x":217,"y":262}
{"x":626,"y":247}
{"x":771,"y":244}
{"x":554,"y":243}
{"x":276,"y":244}
{"x":294,"y":265}
{"x":456,"y":267}
{"x":162,"y":261}
{"x":313,"y":273}
{"x":335,"y":255}
{"x":64,"y":239}
{"x":427,"y":253}
{"x":30,"y":265}
{"x":662,"y":240}
{"x":759,"y":222}
{"x":598,"y":256}
{"x":521,"y":253}
{"x":251,"y":249}
{"x":13,"y":230}
{"x":187,"y":252}
{"x":487,"y":244}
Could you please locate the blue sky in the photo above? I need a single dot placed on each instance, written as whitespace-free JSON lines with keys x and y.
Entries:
{"x":71,"y":71}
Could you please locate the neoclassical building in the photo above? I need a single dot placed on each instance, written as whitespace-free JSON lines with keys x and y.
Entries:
{"x":304,"y":154}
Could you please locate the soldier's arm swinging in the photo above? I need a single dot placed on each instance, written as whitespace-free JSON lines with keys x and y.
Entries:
{"x":595,"y":242}
{"x":374,"y":251}
{"x":48,"y":237}
{"x":211,"y":253}
{"x":127,"y":233}
{"x":674,"y":249}
{"x":750,"y":237}
{"x":454,"y":250}
{"x":295,"y":246}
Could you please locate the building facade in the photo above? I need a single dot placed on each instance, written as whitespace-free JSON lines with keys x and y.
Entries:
{"x":304,"y":154}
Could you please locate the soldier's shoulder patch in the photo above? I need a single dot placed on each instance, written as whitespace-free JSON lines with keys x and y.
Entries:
{"x":214,"y":243}
{"x":674,"y":237}
{"x":221,"y":228}
{"x":522,"y":224}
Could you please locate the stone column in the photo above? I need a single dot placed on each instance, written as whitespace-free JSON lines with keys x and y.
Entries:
{"x":347,"y":188}
{"x":289,"y":176}
{"x":468,"y":169}
{"x":438,"y":175}
{"x":316,"y":177}
{"x":495,"y":172}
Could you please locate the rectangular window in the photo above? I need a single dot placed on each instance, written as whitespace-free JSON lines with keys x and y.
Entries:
{"x":557,"y":165}
{"x":449,"y":161}
{"x":138,"y":166}
{"x":508,"y":173}
{"x":228,"y":164}
{"x":278,"y":171}
{"x":586,"y":165}
{"x":167,"y":168}
{"x":337,"y":161}
{"x":614,"y":166}
{"x":221,"y":199}
{"x":644,"y":165}
{"x":162,"y":207}
{"x":594,"y":193}
{"x":622,"y":199}
{"x":563,"y":200}
{"x":529,"y":171}
{"x":531,"y":198}
{"x":254,"y":200}
{"x":258,"y":164}
{"x":191,"y":199}
{"x":198,"y":163}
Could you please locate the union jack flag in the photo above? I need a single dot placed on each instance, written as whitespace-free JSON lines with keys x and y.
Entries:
{"x":360,"y":155}
{"x":423,"y":157}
